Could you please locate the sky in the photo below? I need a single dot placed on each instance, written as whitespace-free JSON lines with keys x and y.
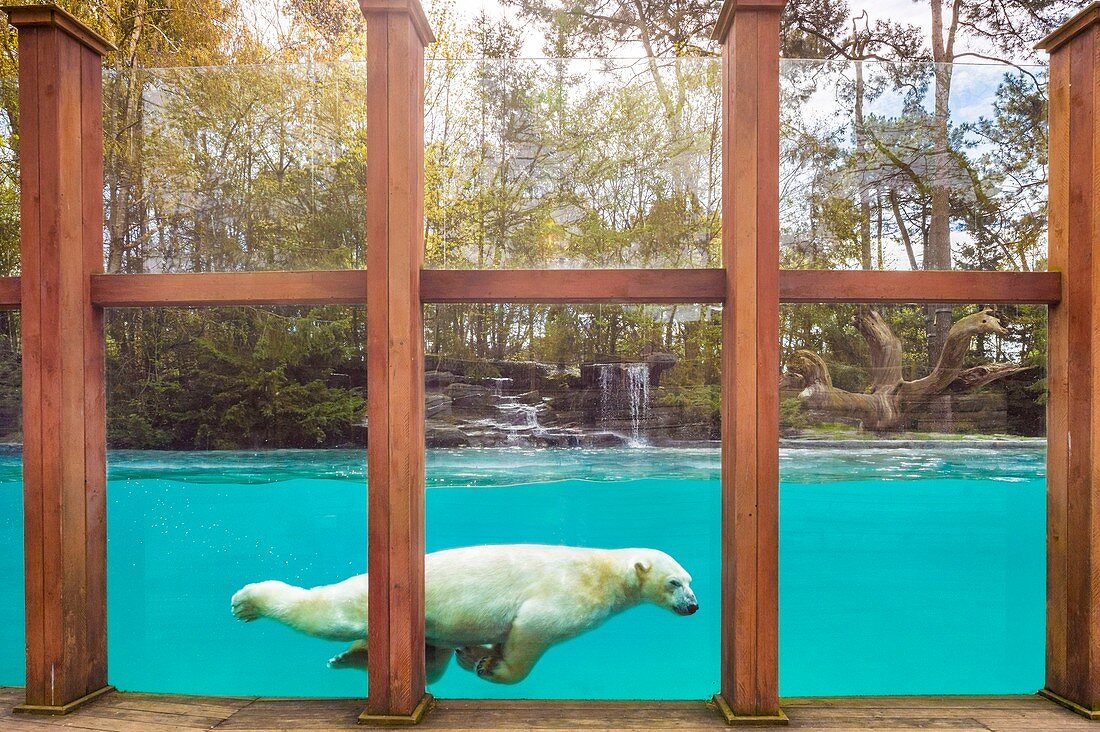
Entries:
{"x":915,"y":12}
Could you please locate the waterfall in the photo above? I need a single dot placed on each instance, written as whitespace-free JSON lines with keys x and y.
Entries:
{"x":519,"y":419}
{"x":498,"y":385}
{"x":607,"y":381}
{"x":637,"y":386}
{"x":633,"y":380}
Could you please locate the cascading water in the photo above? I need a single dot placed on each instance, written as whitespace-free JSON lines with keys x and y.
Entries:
{"x":607,"y":382}
{"x":637,"y":389}
{"x":523,"y":417}
{"x":634,"y":381}
{"x":498,"y":385}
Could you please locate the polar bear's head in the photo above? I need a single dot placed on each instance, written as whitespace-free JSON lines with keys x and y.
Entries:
{"x":664,"y":582}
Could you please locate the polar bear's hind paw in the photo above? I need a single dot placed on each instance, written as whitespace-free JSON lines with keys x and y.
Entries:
{"x":485,"y":666}
{"x":469,"y":656}
{"x":354,"y":657}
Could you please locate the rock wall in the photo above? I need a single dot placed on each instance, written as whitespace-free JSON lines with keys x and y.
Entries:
{"x":987,"y":411}
{"x":535,"y":404}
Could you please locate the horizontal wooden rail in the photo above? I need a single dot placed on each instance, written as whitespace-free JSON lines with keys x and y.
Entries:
{"x":561,"y":286}
{"x":574,"y":286}
{"x":9,"y":293}
{"x":226,"y":289}
{"x":920,"y":286}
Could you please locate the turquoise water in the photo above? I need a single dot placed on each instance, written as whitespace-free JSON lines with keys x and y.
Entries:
{"x":903,"y":571}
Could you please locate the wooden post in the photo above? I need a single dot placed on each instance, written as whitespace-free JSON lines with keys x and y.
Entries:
{"x":64,"y":423}
{"x":749,"y":33}
{"x":1073,"y":432}
{"x":397,"y":32}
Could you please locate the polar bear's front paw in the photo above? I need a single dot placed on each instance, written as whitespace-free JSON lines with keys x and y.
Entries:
{"x":250,"y":601}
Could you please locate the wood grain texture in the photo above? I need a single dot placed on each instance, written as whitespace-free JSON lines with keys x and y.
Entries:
{"x":225,"y":289}
{"x":574,"y":286}
{"x":49,"y":15}
{"x":9,"y":293}
{"x":395,"y":361}
{"x":1073,"y":463}
{"x":750,"y":361}
{"x":1058,"y":377}
{"x":63,"y":370}
{"x":768,"y":356}
{"x":31,"y":134}
{"x":1072,"y":28}
{"x":412,"y":8}
{"x":95,"y":364}
{"x":132,"y":712}
{"x":1044,"y":288}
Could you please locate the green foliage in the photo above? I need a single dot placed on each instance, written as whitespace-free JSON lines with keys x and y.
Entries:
{"x":576,"y":163}
{"x":291,"y":377}
{"x":791,"y":414}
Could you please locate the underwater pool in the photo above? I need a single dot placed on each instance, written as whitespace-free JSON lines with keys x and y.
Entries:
{"x":902,"y":571}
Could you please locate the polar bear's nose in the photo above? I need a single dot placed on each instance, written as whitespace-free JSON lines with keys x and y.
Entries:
{"x":688,"y":608}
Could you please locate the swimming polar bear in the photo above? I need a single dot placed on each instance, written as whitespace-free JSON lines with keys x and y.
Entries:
{"x":499,"y":607}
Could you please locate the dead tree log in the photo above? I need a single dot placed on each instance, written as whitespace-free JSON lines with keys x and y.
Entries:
{"x":890,"y":396}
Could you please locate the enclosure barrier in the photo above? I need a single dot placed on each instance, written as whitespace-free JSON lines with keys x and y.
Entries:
{"x":1073,"y":376}
{"x":62,"y":293}
{"x":64,"y":388}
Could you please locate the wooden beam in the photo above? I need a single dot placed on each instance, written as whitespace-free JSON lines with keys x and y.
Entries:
{"x":49,"y":15}
{"x":227,"y":289}
{"x":1073,"y":375}
{"x":64,"y":424}
{"x":724,"y":22}
{"x":750,"y":363}
{"x":9,"y":293}
{"x":411,"y":8}
{"x":920,"y":286}
{"x":1072,"y":28}
{"x":395,"y":361}
{"x":574,"y":286}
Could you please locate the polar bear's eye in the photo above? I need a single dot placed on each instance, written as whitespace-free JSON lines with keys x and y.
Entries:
{"x":674,"y":583}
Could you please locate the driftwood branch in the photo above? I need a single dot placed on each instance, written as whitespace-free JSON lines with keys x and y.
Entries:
{"x":890,"y":396}
{"x":885,"y":350}
{"x":876,"y":409}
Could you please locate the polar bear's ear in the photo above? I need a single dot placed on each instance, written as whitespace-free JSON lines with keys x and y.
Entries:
{"x":642,"y":566}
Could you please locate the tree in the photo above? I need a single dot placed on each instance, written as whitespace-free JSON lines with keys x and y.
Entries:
{"x":1004,"y":28}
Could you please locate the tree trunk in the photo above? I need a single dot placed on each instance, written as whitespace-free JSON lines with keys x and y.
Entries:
{"x":861,"y":165}
{"x":937,"y":250}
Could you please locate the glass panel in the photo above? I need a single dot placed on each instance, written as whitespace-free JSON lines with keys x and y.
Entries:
{"x":243,"y":462}
{"x":913,"y":516}
{"x":235,"y":168}
{"x":591,"y":427}
{"x":9,"y":179}
{"x":12,"y":645}
{"x":876,"y":174}
{"x":11,"y":504}
{"x":573,"y":163}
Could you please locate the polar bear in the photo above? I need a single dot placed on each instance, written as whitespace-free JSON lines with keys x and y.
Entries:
{"x":498,"y":607}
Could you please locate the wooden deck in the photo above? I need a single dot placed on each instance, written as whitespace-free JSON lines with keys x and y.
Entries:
{"x":129,"y":712}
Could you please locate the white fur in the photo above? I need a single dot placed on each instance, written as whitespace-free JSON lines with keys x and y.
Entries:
{"x":499,"y":606}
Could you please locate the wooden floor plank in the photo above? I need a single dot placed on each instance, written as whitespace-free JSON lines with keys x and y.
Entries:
{"x":132,"y":712}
